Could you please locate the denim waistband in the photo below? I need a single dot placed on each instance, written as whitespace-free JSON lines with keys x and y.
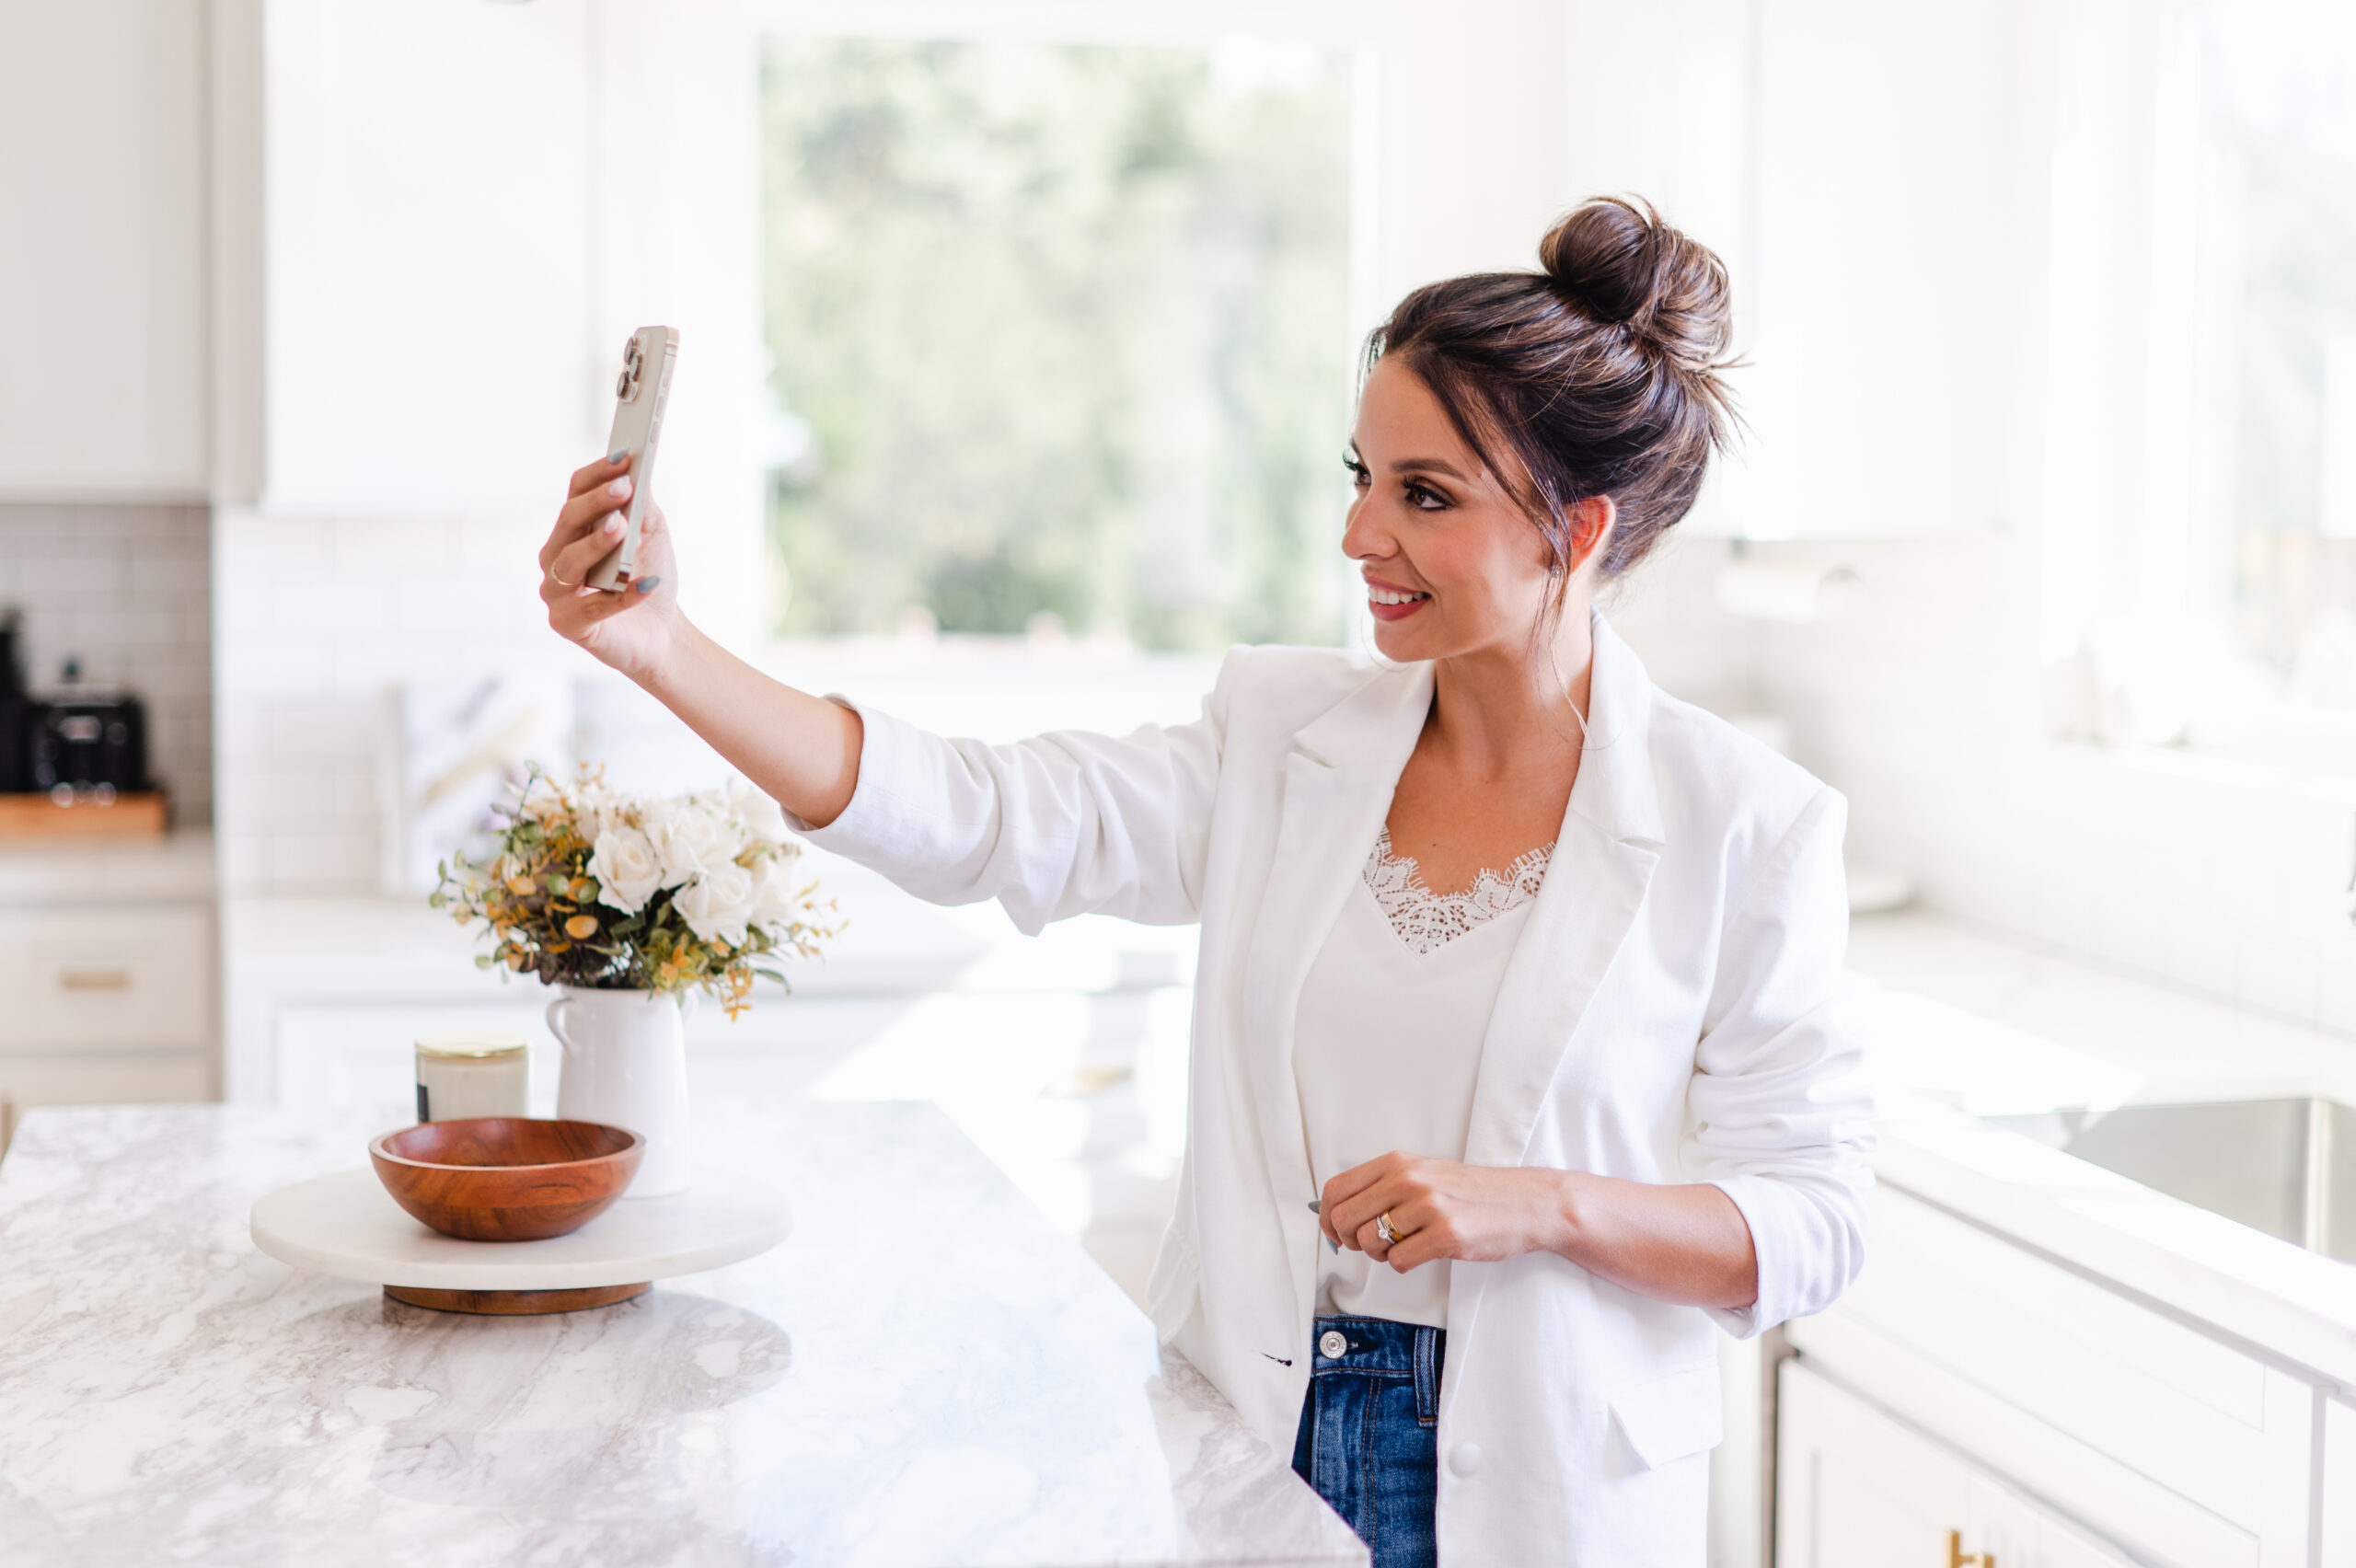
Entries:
{"x":1377,"y":1347}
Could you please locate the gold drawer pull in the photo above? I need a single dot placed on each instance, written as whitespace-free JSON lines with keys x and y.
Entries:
{"x":94,"y":979}
{"x":1959,"y":1558}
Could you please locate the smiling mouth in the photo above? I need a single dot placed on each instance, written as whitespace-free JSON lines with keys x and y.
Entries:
{"x":1390,"y":596}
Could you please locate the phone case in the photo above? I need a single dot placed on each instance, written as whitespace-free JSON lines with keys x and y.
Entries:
{"x":638,"y":397}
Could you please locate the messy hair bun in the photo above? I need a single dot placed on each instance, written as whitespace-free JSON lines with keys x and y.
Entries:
{"x":1619,"y":263}
{"x":1601,"y":376}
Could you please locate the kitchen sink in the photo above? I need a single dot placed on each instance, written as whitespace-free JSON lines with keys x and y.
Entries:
{"x":2286,"y":1167}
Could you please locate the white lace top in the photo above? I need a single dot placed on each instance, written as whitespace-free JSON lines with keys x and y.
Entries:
{"x":1387,"y":1044}
{"x":1423,"y":918}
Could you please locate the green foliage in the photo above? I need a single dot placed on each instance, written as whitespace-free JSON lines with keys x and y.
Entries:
{"x":1071,"y":326}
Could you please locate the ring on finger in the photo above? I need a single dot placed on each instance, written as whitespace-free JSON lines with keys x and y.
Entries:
{"x":559,"y":581}
{"x":1384,"y":1228}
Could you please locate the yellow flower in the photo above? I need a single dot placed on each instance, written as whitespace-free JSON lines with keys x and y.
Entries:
{"x":519,"y":886}
{"x":581,"y":928}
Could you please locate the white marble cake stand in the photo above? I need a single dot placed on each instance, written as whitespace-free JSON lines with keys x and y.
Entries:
{"x":348,"y":1225}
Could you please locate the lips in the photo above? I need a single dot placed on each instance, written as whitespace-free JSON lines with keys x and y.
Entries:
{"x":1390,"y":603}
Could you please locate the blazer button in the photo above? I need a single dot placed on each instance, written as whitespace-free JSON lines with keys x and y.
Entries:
{"x":1464,"y":1459}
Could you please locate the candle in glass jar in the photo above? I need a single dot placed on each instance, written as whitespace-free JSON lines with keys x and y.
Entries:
{"x":471,"y":1074}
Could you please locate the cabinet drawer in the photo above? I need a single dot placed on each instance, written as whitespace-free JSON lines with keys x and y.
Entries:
{"x":138,"y":979}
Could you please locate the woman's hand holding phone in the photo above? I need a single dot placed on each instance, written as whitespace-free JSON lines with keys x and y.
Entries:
{"x":635,"y":630}
{"x":802,"y":750}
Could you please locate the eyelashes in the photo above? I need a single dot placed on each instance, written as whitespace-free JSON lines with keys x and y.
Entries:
{"x":1420,"y":495}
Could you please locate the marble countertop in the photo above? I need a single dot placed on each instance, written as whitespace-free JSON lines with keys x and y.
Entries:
{"x":1962,"y":1025}
{"x":925,"y":1373}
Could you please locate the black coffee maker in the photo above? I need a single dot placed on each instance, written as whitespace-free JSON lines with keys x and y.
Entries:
{"x":89,"y":739}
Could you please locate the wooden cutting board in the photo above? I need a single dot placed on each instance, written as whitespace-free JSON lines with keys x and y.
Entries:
{"x":126,"y":816}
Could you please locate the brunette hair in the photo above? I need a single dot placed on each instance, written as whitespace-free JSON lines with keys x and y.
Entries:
{"x":1600,"y":375}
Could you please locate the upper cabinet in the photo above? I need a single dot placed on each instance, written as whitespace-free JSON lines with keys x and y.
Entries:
{"x":103,"y":124}
{"x":430,"y":343}
{"x":1872,"y":175}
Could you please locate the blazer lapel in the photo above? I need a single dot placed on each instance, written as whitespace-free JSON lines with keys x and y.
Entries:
{"x":1602,"y":863}
{"x":1595,"y":885}
{"x":1338,"y":779}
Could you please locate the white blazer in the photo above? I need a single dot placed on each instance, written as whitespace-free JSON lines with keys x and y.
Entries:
{"x":1663,"y":1019}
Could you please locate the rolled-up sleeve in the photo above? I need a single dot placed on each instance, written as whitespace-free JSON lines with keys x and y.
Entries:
{"x":1056,"y":825}
{"x":1782,"y":1115}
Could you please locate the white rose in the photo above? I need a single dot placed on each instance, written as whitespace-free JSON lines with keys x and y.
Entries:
{"x":717,"y":905}
{"x":777,"y":892}
{"x":596,"y":809}
{"x":695,"y":840}
{"x":627,"y":869}
{"x":762,"y":817}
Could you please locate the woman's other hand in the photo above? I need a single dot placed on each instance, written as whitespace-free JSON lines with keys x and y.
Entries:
{"x":1440,"y":1208}
{"x":635,"y":629}
{"x":1684,"y":1242}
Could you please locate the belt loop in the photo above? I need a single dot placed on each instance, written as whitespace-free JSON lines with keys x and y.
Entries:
{"x":1427,"y":1364}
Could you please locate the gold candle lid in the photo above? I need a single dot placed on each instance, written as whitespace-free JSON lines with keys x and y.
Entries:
{"x":471,"y":1043}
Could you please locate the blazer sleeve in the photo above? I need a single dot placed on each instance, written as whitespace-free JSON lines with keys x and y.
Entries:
{"x":1061,"y":824}
{"x":1782,"y":1111}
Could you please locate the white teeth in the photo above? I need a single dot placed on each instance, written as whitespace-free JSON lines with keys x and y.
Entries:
{"x":1383,"y":596}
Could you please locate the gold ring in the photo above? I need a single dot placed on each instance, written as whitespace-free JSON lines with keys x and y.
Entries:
{"x":559,"y":581}
{"x":1384,"y":1228}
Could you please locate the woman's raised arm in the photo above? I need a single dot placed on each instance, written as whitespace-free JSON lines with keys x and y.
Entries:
{"x":802,"y":750}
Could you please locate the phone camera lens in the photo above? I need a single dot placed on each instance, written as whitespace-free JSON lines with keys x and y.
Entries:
{"x":621,"y":385}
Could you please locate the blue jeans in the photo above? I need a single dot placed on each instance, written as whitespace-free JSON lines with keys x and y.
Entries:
{"x":1370,"y":1432}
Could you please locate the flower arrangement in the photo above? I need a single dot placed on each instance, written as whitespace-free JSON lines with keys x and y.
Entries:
{"x":593,"y":888}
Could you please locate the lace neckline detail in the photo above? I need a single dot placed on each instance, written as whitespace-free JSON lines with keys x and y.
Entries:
{"x":1423,"y":919}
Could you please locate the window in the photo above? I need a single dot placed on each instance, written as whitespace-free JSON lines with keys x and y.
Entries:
{"x":2281,"y":101}
{"x":1060,"y":337}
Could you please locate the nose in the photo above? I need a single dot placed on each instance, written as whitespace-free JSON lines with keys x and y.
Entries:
{"x":1363,"y":537}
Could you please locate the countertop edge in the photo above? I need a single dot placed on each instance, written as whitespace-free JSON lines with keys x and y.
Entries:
{"x":2313,"y":1331}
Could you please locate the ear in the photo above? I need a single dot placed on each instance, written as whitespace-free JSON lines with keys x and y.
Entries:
{"x":1591,"y":524}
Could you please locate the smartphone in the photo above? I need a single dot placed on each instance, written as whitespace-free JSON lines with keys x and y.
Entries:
{"x":639,"y":396}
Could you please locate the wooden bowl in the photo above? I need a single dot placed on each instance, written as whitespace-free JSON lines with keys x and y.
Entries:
{"x":506,"y":1178}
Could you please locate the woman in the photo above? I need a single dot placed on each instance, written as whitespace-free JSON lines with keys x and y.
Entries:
{"x":1512,"y":1066}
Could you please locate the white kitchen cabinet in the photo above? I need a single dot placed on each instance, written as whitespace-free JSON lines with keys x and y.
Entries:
{"x":111,"y":979}
{"x":2338,"y":1485}
{"x":110,"y":964}
{"x":2179,"y":1446}
{"x":103,"y":271}
{"x":429,"y":312}
{"x":1877,"y":390}
{"x":1857,"y":1488}
{"x":1881,"y":386}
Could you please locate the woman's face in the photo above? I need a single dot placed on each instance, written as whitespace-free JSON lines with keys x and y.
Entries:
{"x":1452,"y":565}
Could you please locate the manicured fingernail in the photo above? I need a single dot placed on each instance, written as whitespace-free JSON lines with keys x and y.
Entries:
{"x":647,"y":585}
{"x":620,"y":487}
{"x":613,"y":523}
{"x":619,"y":455}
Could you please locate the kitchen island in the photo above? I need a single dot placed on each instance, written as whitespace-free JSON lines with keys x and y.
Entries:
{"x":924,"y":1373}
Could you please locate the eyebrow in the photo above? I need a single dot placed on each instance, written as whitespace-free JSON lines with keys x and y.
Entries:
{"x":1432,"y":465}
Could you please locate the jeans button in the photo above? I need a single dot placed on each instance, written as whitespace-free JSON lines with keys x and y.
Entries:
{"x":1332,"y":1345}
{"x":1464,"y":1459}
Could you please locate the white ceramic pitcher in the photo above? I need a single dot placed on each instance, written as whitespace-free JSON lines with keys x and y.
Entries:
{"x":626,"y":1065}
